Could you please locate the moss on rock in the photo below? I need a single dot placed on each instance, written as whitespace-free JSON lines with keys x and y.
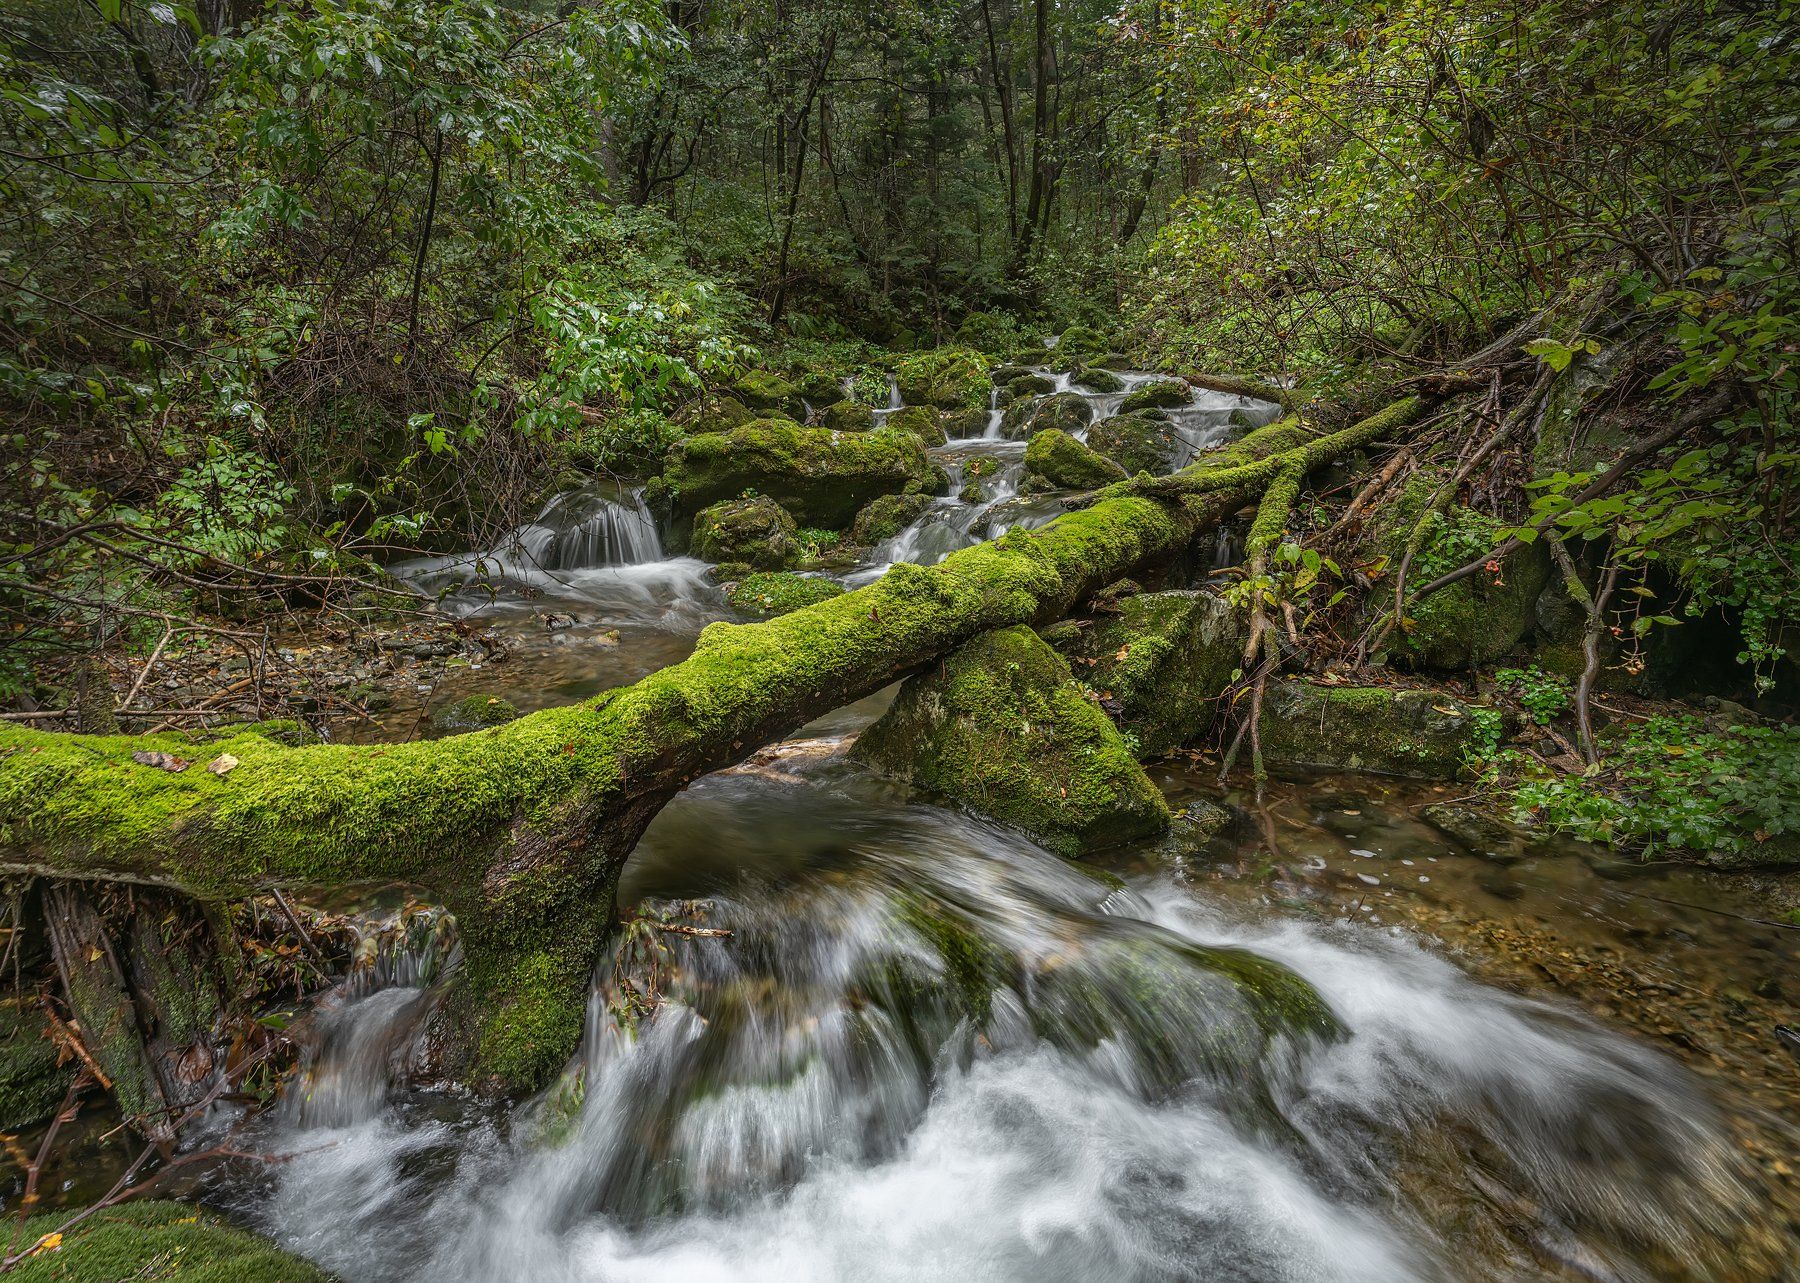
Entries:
{"x":1055,"y":460}
{"x":1080,"y":343}
{"x":950,"y":378}
{"x":755,"y":532}
{"x":32,"y":1083}
{"x":1097,"y":378}
{"x":764,"y":390}
{"x":157,"y":1240}
{"x":715,"y":412}
{"x":1161,"y":661}
{"x":1143,"y":442}
{"x":1162,"y":394}
{"x":1066,"y":412}
{"x":1002,"y":727}
{"x":821,"y":477}
{"x":779,"y":592}
{"x":884,"y":517}
{"x":1422,"y":733}
{"x":919,"y":420}
{"x":847,"y":416}
{"x":473,"y":713}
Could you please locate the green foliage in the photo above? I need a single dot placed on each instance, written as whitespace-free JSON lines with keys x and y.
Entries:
{"x":229,"y":505}
{"x":1671,"y":782}
{"x":1454,"y":537}
{"x":1543,"y":696}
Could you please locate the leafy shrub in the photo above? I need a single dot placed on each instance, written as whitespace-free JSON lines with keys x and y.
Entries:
{"x":1542,"y":695}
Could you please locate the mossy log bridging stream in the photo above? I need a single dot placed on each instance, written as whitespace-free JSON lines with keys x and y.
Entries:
{"x":521,"y":830}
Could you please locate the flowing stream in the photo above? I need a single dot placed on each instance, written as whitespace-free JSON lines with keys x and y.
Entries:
{"x":928,"y":1050}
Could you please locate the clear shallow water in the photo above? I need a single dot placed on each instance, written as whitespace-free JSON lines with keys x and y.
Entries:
{"x":825,"y":1094}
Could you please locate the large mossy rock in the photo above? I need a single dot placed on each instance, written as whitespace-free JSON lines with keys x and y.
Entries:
{"x":32,"y":1082}
{"x":1143,"y":442}
{"x":847,"y":416}
{"x":883,"y":518}
{"x":715,"y":412}
{"x":1003,"y":728}
{"x":1160,"y":663}
{"x":1098,"y":379}
{"x":822,"y":477}
{"x":950,"y":378}
{"x":756,"y":531}
{"x":923,"y":422}
{"x":1068,"y":412}
{"x":1081,"y":343}
{"x":167,"y":1241}
{"x":1422,"y":733}
{"x":478,"y":712}
{"x":1162,"y":394}
{"x":765,"y":391}
{"x":1057,"y":461}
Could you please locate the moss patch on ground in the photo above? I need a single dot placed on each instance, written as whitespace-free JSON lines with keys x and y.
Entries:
{"x":158,"y":1241}
{"x":779,"y":593}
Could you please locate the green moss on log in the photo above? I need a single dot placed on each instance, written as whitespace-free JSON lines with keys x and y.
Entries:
{"x":157,"y":1240}
{"x":779,"y":593}
{"x":1057,"y":461}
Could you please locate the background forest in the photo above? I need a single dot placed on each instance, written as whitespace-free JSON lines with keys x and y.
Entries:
{"x":288,"y":289}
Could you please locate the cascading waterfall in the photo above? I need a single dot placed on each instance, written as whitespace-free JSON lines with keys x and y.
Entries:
{"x":926,"y":1049}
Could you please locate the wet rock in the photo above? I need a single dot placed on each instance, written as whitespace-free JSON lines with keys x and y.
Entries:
{"x":1066,"y":411}
{"x":714,"y":413}
{"x":1057,"y":461}
{"x":1096,"y":378}
{"x":1161,"y":661}
{"x":1195,"y":825}
{"x":963,"y":423}
{"x":1143,"y":442}
{"x":820,"y":386}
{"x":847,"y":416}
{"x":1031,"y":384}
{"x":763,"y":391}
{"x":887,"y":516}
{"x":1002,"y":728}
{"x":1422,"y":733}
{"x":757,"y":532}
{"x":779,"y":593}
{"x":1162,"y":394}
{"x":1081,"y":343}
{"x":922,"y":422}
{"x":555,"y":620}
{"x":950,"y":378}
{"x":1477,"y":831}
{"x":473,"y":713}
{"x":1004,"y":374}
{"x":821,"y":477}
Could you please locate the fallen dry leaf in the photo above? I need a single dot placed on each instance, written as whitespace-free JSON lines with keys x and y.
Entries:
{"x":161,"y":761}
{"x":221,"y":764}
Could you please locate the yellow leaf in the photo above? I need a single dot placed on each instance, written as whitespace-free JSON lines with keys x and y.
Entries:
{"x":48,"y":1243}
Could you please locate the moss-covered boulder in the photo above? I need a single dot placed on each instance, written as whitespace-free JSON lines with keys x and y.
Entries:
{"x":1003,"y":728}
{"x":1161,"y":394}
{"x":1066,"y":412}
{"x":922,"y":421}
{"x":950,"y":378}
{"x":1081,"y":343}
{"x":821,"y":477}
{"x":1057,"y":461}
{"x":772,"y":593}
{"x":1477,"y":831}
{"x":764,"y":391}
{"x":883,"y":518}
{"x":1030,"y":384}
{"x":1143,"y":442}
{"x":1005,"y":374}
{"x":473,"y":713}
{"x":156,"y":1240}
{"x":847,"y":416}
{"x":1159,"y":661}
{"x":1422,"y":733}
{"x":756,"y":531}
{"x":963,"y":423}
{"x":819,"y":386}
{"x":715,"y":412}
{"x":1096,"y":378}
{"x":32,"y":1083}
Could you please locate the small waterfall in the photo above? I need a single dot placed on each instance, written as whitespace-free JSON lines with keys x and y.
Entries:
{"x":582,"y":529}
{"x":995,"y":416}
{"x":893,"y":401}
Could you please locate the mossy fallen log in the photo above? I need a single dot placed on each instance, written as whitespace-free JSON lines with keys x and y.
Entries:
{"x":521,"y":830}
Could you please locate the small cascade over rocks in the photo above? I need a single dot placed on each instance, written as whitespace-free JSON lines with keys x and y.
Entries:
{"x":912,"y":1045}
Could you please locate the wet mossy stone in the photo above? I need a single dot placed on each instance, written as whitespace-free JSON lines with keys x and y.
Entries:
{"x":1057,"y":461}
{"x":1030,"y":384}
{"x":1066,"y":412}
{"x":1477,"y":831}
{"x":963,"y":423}
{"x":780,"y":592}
{"x":886,"y":517}
{"x":1143,"y":442}
{"x":159,"y":1240}
{"x":1098,"y":379}
{"x":1159,"y":661}
{"x":823,"y":478}
{"x":1163,"y":394}
{"x":764,"y":390}
{"x":473,"y":713}
{"x":1005,"y":374}
{"x":1081,"y":343}
{"x":32,"y":1083}
{"x":1002,"y":728}
{"x":820,"y":387}
{"x":1426,"y":734}
{"x":714,"y":413}
{"x":756,"y":531}
{"x":950,"y":378}
{"x":923,"y":422}
{"x":847,"y":416}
